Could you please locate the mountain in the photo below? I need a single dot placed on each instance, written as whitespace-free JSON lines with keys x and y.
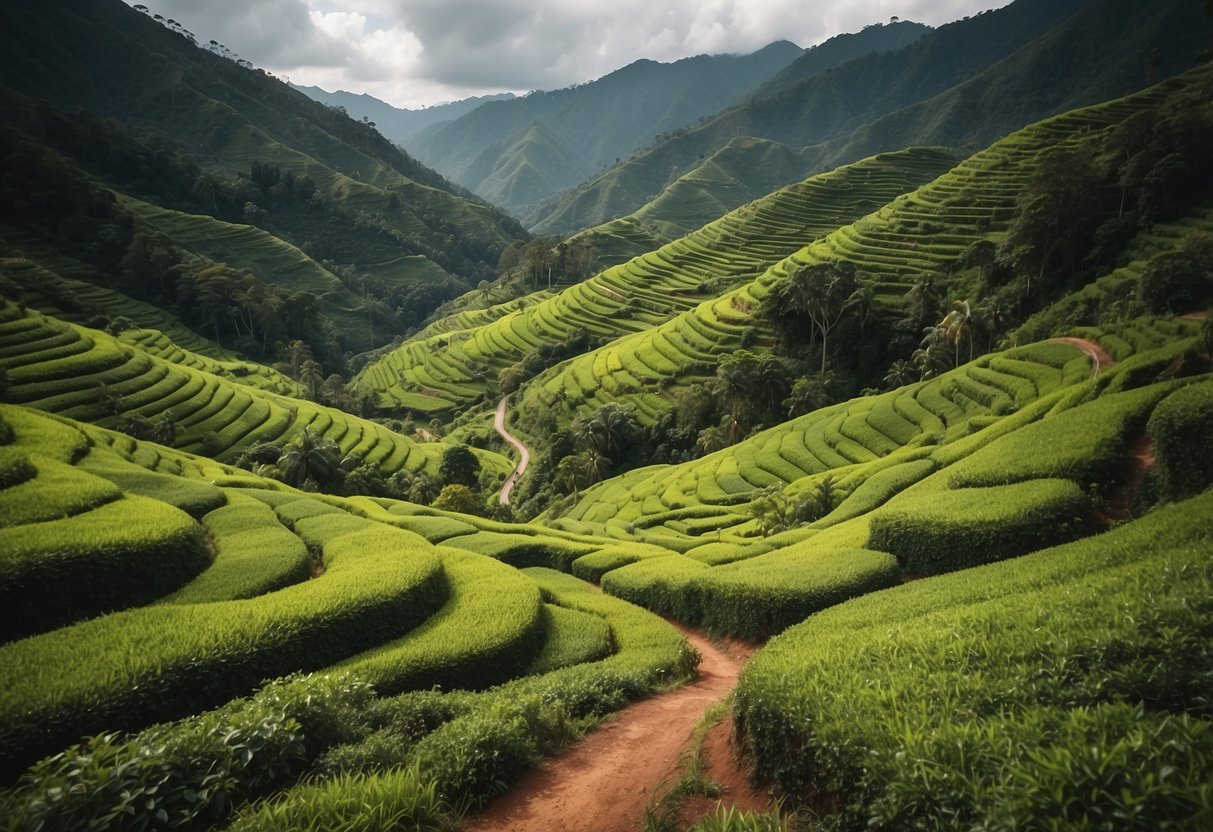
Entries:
{"x":592,"y":124}
{"x":396,"y":123}
{"x":122,"y":133}
{"x":961,"y":85}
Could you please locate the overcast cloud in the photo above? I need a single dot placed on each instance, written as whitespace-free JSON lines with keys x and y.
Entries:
{"x":414,"y":53}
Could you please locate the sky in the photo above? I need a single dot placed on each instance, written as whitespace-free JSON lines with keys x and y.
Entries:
{"x":415,"y":53}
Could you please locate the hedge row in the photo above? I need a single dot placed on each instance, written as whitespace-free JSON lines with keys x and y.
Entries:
{"x":255,"y":554}
{"x":1181,"y":429}
{"x":136,"y":667}
{"x":1064,"y":689}
{"x":121,"y":554}
{"x":931,"y":531}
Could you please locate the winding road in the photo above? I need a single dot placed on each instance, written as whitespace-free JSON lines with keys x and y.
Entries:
{"x":520,"y":469}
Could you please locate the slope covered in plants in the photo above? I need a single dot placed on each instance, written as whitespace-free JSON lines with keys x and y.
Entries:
{"x":961,"y":85}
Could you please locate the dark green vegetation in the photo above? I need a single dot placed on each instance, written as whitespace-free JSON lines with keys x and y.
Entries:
{"x":961,"y":85}
{"x":518,"y":152}
{"x":206,"y":185}
{"x":987,"y":583}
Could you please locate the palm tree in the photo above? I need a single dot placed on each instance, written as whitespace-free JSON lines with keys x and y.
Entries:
{"x":712,"y":439}
{"x":311,"y":375}
{"x":863,"y":303}
{"x":922,"y":300}
{"x":309,"y":457}
{"x":958,"y":325}
{"x":900,"y":373}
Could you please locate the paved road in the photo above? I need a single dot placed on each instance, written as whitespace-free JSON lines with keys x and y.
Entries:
{"x":512,"y":479}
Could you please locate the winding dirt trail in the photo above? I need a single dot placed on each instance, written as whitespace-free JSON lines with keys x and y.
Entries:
{"x":1098,"y":355}
{"x":604,"y":782}
{"x":520,"y":469}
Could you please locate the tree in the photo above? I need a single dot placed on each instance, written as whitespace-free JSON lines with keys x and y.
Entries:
{"x":711,"y":439}
{"x":957,"y":326}
{"x":607,"y":431}
{"x":824,"y":292}
{"x":310,"y":459}
{"x":165,"y":430}
{"x":311,"y":376}
{"x":900,"y":373}
{"x":459,"y":466}
{"x":809,"y":393}
{"x":1056,"y":217}
{"x":459,"y":498}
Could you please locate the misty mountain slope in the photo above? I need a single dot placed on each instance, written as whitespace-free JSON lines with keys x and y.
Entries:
{"x":601,"y":120}
{"x":396,"y":123}
{"x":1032,"y":66}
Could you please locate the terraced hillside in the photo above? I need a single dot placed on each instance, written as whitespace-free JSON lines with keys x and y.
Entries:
{"x":89,"y":375}
{"x":915,"y":237}
{"x":243,"y":579}
{"x":211,"y":157}
{"x":962,"y":85}
{"x":451,"y":368}
{"x":1011,"y":453}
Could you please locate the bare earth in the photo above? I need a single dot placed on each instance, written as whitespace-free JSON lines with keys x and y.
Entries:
{"x":604,"y":783}
{"x":512,"y":479}
{"x":1098,"y":355}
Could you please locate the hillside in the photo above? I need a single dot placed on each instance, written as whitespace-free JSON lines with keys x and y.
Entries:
{"x":962,"y":85}
{"x":395,"y":123}
{"x":584,"y":128}
{"x":907,"y":252}
{"x":231,"y":148}
{"x":881,"y":502}
{"x":444,"y":371}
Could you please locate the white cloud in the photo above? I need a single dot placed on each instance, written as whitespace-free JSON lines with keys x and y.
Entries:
{"x":418,"y":52}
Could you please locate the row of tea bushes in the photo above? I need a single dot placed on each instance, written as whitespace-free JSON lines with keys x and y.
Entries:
{"x":1067,"y":688}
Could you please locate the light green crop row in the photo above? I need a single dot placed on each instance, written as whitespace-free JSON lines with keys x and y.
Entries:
{"x":255,"y":555}
{"x":136,"y":667}
{"x":1064,"y":689}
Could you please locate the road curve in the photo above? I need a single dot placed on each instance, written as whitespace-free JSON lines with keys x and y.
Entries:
{"x":1098,"y":355}
{"x":520,"y":469}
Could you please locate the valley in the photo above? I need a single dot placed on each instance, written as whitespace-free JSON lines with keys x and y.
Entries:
{"x":836,"y":458}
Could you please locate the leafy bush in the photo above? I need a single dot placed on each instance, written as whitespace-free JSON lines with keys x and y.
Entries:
{"x":933,"y":531}
{"x":193,"y":772}
{"x":1064,"y":689}
{"x":1181,"y":428}
{"x":386,"y":802}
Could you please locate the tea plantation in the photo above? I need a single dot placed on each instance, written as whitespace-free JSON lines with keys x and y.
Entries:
{"x":980,"y":598}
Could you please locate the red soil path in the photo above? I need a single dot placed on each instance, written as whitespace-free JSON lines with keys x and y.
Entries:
{"x":604,"y":783}
{"x":1098,"y":355}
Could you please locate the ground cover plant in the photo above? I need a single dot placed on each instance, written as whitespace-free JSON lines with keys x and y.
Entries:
{"x":955,"y":468}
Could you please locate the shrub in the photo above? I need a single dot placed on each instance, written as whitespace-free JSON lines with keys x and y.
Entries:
{"x":932,"y":531}
{"x":1064,"y":689}
{"x":1181,"y":428}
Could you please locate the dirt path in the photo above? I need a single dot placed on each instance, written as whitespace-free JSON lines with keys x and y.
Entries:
{"x":1098,"y":355}
{"x":1116,"y":506}
{"x":604,"y":783}
{"x":516,"y":474}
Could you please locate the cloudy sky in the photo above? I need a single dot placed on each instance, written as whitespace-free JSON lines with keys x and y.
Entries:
{"x":415,"y":53}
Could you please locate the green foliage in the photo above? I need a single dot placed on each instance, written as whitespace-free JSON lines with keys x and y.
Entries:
{"x":255,"y":555}
{"x":932,"y":531}
{"x":386,"y":802}
{"x":379,"y":583}
{"x":1062,"y":688}
{"x":193,"y":772}
{"x":572,"y":637}
{"x":1180,"y":429}
{"x":460,"y":499}
{"x":1178,"y":281}
{"x":459,"y":466}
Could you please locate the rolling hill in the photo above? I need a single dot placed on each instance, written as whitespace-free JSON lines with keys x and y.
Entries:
{"x":232,"y":147}
{"x":520,"y":151}
{"x":961,"y":86}
{"x":978,"y":598}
